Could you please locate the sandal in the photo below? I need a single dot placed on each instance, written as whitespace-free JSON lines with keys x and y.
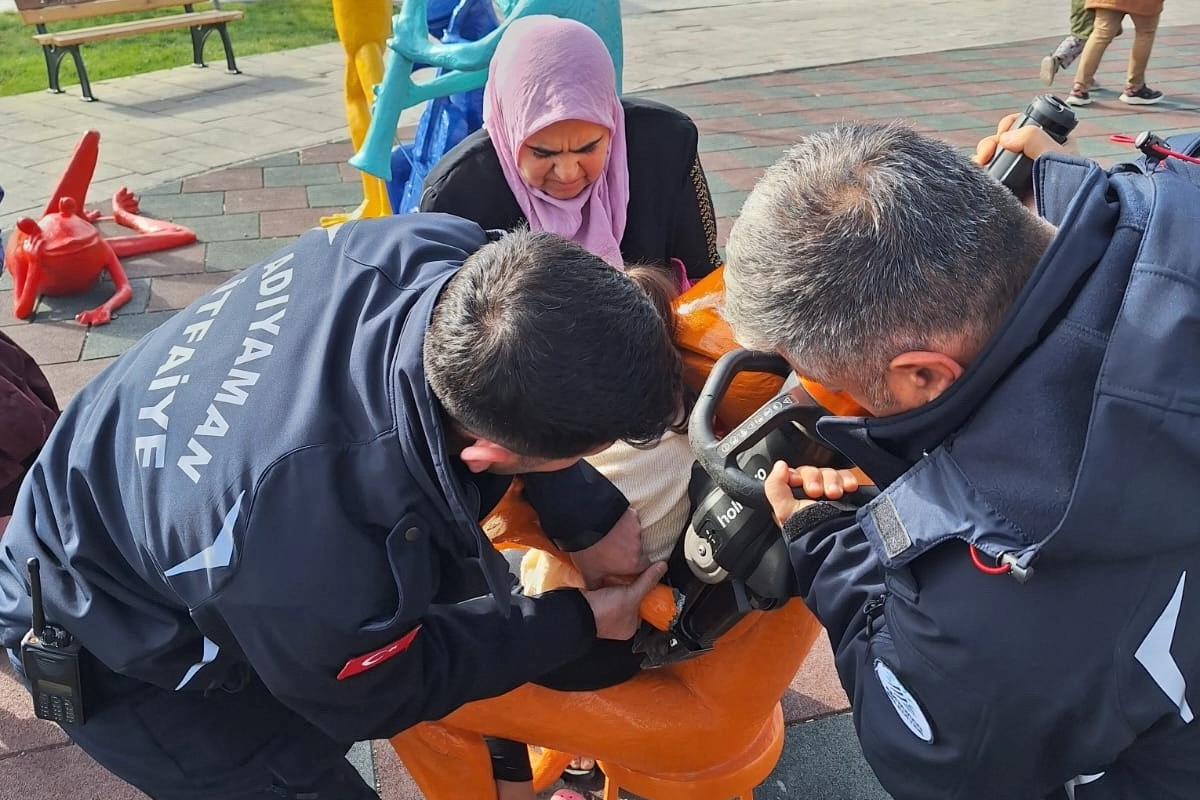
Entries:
{"x":580,"y":767}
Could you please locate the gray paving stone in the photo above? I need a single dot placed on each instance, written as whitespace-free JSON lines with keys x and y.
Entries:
{"x":729,"y":203}
{"x":762,"y":156}
{"x":49,"y":342}
{"x":983,"y":122}
{"x":822,"y":759}
{"x":717,"y":184}
{"x":335,"y":194}
{"x":224,"y":228}
{"x":119,"y":335}
{"x":280,"y":160}
{"x":65,"y":308}
{"x":225,"y":256}
{"x":301,"y":175}
{"x":936,"y":92}
{"x":172,"y":187}
{"x":723,"y":141}
{"x":176,"y":206}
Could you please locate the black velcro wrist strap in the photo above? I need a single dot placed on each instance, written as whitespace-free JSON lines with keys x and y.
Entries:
{"x":813,"y":515}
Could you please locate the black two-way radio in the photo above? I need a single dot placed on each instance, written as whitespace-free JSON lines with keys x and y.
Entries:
{"x":53,"y":663}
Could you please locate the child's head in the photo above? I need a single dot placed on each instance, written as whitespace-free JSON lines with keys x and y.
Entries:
{"x":661,"y":288}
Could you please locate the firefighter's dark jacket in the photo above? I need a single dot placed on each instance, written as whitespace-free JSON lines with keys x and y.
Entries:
{"x":264,"y":481}
{"x":1070,"y":446}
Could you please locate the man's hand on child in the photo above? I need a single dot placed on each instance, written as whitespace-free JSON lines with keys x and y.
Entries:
{"x":618,"y":553}
{"x":615,"y":608}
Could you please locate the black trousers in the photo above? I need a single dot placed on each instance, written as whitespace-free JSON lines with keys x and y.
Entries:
{"x":214,"y":745}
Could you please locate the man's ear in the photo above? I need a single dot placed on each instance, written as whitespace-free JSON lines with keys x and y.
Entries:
{"x":481,"y":455}
{"x":918,"y":377}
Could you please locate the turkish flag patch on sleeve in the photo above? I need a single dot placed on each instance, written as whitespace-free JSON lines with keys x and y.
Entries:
{"x":374,"y":658}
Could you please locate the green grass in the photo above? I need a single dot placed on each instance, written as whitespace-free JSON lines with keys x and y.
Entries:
{"x":269,"y":25}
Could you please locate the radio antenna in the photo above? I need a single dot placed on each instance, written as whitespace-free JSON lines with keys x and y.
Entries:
{"x":35,"y":591}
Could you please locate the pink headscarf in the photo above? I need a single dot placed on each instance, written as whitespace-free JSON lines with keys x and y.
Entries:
{"x":545,"y":70}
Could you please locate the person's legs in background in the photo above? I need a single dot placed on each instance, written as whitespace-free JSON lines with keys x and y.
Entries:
{"x":1082,"y":19}
{"x":1070,"y":47}
{"x":1107,"y":23}
{"x":1136,"y":91}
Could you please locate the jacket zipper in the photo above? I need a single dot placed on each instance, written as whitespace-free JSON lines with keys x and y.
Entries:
{"x":873,"y":610}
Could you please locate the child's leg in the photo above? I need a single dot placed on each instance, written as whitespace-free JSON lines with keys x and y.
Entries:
{"x":1082,"y":20}
{"x":1072,"y":45}
{"x":1068,"y":50}
{"x":511,"y":769}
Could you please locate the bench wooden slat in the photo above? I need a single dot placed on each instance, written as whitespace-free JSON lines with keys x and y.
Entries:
{"x":200,"y":17}
{"x":33,"y":12}
{"x":117,"y":30}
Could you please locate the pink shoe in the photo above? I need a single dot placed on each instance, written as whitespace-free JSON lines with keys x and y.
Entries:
{"x":567,"y":794}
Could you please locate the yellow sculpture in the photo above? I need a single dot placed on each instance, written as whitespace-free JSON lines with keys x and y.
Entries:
{"x":363,"y":27}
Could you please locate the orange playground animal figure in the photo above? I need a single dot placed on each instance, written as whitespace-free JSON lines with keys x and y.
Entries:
{"x":64,"y":253}
{"x":704,"y":728}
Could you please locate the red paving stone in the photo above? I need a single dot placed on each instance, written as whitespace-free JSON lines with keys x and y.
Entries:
{"x":725,"y":125}
{"x":174,"y":292}
{"x":721,"y":159}
{"x":225,"y":179}
{"x":241,"y":201}
{"x":741,"y":179}
{"x":327,"y":153}
{"x":292,"y":222}
{"x":349,"y":173}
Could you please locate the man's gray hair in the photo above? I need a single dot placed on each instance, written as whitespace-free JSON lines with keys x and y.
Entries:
{"x":865,"y":241}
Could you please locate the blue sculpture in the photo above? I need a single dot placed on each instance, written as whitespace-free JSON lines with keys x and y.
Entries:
{"x":462,"y":65}
{"x":447,"y":120}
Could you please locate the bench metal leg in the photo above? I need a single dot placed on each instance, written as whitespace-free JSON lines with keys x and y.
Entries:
{"x":54,"y":57}
{"x":52,"y":62}
{"x":200,"y":35}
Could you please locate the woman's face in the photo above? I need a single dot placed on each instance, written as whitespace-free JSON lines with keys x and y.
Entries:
{"x":565,"y":158}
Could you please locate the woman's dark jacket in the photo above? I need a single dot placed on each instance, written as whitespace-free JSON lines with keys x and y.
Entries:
{"x":670,"y":212}
{"x":27,"y":413}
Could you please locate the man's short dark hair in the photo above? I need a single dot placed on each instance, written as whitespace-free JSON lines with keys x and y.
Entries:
{"x":542,"y":347}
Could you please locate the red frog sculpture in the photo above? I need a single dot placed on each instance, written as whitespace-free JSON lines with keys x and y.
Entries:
{"x":64,"y":253}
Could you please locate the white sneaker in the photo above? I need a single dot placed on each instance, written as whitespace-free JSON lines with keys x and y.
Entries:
{"x":1078,"y":97}
{"x":1144,"y":96}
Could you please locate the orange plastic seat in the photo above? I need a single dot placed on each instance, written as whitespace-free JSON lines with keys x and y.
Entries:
{"x":735,"y":778}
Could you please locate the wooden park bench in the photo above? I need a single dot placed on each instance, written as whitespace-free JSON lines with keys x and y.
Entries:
{"x":56,"y":45}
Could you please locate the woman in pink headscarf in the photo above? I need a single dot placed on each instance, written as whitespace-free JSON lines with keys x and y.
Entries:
{"x":562,"y":152}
